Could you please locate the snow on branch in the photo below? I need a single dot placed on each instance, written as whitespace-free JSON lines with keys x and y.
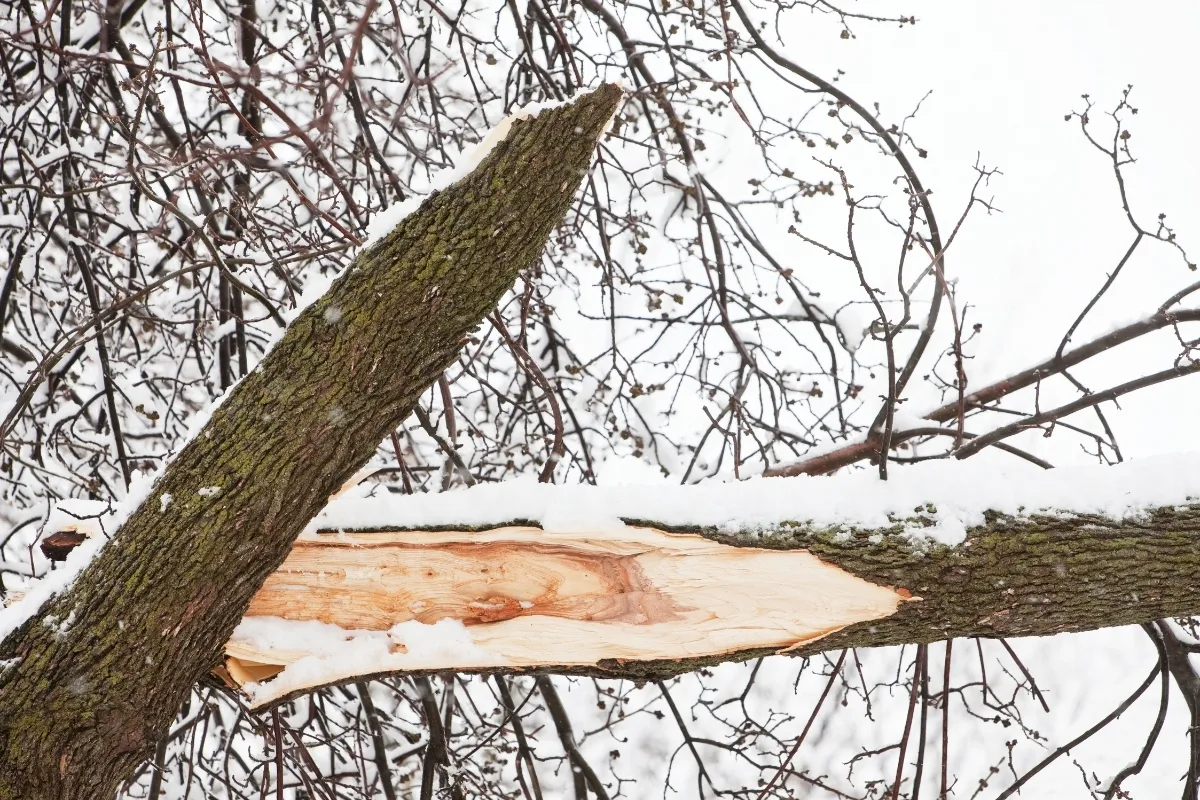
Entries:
{"x":521,"y":575}
{"x":948,"y":497}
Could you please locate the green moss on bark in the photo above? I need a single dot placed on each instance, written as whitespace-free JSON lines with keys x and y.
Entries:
{"x":82,"y":707}
{"x":1035,"y":576}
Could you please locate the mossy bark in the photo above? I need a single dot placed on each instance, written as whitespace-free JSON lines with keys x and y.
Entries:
{"x":83,"y":703}
{"x":1034,"y":576}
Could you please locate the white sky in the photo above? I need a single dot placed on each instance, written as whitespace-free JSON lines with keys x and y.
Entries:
{"x":1002,"y":76}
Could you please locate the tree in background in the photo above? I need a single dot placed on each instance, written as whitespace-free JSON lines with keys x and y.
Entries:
{"x":175,"y":174}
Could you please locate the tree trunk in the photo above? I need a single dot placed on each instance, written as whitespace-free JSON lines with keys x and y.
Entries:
{"x":645,"y":603}
{"x":94,"y":679}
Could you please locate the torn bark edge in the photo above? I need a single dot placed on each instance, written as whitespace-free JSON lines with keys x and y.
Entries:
{"x":677,"y":598}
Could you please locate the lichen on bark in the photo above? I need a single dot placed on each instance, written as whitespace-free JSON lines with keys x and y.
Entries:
{"x":81,"y":707}
{"x":1013,"y":576}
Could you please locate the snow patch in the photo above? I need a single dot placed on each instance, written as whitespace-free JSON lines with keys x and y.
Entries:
{"x":42,"y":591}
{"x":98,"y":521}
{"x":335,"y":653}
{"x":848,"y":321}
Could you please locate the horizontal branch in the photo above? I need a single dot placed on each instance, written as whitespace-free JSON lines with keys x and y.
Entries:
{"x":1071,"y":358}
{"x":658,"y":596}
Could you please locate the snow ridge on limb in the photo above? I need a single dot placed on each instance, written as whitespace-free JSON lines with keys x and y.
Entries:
{"x":947,"y":497}
{"x":82,"y":705}
{"x":386,"y":221}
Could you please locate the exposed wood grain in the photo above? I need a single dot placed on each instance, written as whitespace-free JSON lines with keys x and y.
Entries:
{"x":649,"y":601}
{"x":530,"y":598}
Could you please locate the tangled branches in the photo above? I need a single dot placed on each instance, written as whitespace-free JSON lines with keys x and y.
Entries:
{"x":177,"y":173}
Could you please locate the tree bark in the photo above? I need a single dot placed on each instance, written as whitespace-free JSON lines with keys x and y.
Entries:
{"x":94,"y":679}
{"x":645,"y":603}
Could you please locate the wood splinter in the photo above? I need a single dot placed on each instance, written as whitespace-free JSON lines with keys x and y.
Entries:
{"x":529,"y":598}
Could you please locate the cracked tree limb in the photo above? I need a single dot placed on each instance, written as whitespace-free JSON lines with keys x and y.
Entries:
{"x":647,"y":602}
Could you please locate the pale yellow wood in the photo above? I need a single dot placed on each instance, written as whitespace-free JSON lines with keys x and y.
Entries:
{"x":531,"y":598}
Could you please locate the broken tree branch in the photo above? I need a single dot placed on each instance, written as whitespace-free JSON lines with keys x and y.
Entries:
{"x":653,"y":598}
